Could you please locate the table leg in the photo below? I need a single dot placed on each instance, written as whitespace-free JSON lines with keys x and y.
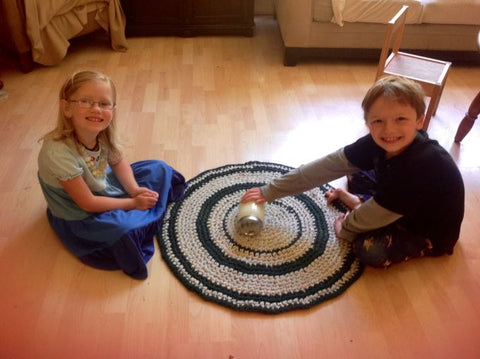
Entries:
{"x":469,"y":119}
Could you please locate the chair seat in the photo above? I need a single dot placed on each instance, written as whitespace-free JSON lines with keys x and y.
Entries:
{"x":430,"y":73}
{"x":418,"y":68}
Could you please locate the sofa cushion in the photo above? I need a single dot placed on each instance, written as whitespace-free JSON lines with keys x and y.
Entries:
{"x":466,"y":12}
{"x":322,"y":10}
{"x":374,"y":11}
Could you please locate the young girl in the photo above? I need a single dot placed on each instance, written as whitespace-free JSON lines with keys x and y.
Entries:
{"x":408,"y":194}
{"x":105,"y":211}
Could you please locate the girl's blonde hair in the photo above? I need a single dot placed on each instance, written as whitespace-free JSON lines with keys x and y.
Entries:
{"x":400,"y":89}
{"x":64,"y":129}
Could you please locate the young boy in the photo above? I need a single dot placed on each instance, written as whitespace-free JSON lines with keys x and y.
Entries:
{"x":414,"y":201}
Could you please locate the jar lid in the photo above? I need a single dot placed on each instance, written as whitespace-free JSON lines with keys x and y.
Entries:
{"x":249,"y":225}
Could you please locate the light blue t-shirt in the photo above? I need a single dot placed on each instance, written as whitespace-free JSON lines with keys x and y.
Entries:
{"x":60,"y":160}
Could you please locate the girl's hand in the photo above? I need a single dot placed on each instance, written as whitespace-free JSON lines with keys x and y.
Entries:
{"x":146,"y":200}
{"x":253,"y":195}
{"x":141,"y":190}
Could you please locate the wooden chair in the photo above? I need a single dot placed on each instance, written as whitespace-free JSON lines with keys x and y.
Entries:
{"x":431,"y":74}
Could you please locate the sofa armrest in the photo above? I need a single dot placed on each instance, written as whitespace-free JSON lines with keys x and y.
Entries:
{"x":294,"y":19}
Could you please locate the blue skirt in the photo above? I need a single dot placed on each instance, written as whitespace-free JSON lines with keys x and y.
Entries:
{"x":121,"y":239}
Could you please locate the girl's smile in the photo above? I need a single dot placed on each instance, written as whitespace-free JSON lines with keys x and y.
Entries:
{"x":95,"y":119}
{"x":90,"y":110}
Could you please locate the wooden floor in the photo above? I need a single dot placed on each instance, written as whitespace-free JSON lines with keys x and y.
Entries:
{"x":199,"y":103}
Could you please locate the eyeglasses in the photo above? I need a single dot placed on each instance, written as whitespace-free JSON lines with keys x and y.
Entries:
{"x":87,"y":103}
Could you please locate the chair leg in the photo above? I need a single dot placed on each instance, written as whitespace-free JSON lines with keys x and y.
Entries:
{"x":437,"y":100}
{"x":432,"y":106}
{"x":429,"y":113}
{"x":469,"y":119}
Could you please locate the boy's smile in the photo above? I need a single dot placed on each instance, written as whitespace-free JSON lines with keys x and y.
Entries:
{"x":393,"y":125}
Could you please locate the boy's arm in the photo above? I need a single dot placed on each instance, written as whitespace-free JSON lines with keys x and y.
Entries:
{"x":310,"y":175}
{"x":369,"y":216}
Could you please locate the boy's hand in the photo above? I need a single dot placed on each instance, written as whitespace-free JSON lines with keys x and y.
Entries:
{"x":253,"y":195}
{"x":337,"y":225}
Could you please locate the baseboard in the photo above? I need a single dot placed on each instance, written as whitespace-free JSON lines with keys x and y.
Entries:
{"x":293,"y":55}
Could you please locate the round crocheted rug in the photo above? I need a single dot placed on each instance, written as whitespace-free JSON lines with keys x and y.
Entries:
{"x":295,"y":262}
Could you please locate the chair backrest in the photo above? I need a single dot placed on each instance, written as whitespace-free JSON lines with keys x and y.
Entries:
{"x":393,"y":38}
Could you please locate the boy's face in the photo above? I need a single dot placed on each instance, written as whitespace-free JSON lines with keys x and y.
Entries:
{"x":393,"y":125}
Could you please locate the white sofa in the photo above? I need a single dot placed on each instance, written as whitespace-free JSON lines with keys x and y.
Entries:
{"x":446,"y":29}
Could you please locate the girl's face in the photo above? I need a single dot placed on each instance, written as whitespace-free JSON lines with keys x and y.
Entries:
{"x":90,"y":109}
{"x":393,"y":125}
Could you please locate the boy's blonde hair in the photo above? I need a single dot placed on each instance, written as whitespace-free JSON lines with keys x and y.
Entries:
{"x":64,"y":129}
{"x":400,"y":89}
